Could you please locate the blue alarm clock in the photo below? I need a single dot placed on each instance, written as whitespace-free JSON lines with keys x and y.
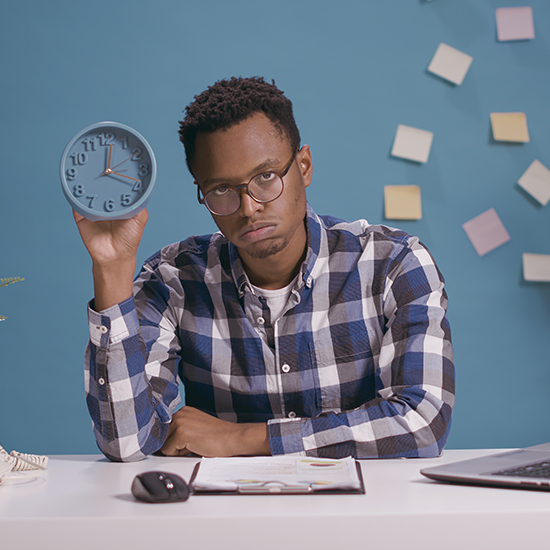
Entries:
{"x":108,"y":171}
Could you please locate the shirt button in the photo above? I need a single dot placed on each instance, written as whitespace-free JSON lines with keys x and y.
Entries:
{"x":291,"y":414}
{"x":260,"y":320}
{"x":101,"y":381}
{"x":103,"y":329}
{"x":285,"y":368}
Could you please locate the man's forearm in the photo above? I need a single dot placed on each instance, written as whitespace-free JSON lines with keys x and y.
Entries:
{"x":194,"y":431}
{"x":112,"y":246}
{"x":255,"y":440}
{"x":113,"y":283}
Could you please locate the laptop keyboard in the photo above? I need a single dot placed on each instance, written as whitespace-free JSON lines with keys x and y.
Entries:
{"x":538,"y":469}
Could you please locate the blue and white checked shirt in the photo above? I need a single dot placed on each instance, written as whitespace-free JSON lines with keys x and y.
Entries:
{"x":360,"y":362}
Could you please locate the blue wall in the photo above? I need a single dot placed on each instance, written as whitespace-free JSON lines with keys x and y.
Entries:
{"x":354,"y":69}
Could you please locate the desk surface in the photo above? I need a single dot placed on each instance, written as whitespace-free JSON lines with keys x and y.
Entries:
{"x":84,"y":502}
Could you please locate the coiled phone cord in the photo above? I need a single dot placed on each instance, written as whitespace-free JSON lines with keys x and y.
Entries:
{"x":22,"y":463}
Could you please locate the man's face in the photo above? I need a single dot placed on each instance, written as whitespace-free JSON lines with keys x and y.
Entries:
{"x":271,"y":230}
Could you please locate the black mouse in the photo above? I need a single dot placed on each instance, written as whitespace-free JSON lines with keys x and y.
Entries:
{"x":160,"y":487}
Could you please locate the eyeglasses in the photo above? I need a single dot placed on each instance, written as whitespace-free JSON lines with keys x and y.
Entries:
{"x":263,"y":188}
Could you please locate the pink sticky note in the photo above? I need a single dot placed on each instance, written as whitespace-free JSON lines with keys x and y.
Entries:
{"x":515,"y":23}
{"x":486,"y":232}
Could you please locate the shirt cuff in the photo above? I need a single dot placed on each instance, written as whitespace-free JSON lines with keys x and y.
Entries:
{"x":114,"y":324}
{"x":286,"y":435}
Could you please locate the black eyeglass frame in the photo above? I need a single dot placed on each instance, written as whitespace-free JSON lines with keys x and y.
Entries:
{"x":281,"y":175}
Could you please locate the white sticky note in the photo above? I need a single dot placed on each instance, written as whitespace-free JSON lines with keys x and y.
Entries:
{"x":510,"y":127}
{"x":486,"y":232}
{"x":536,"y":181}
{"x":402,"y":202}
{"x":515,"y":23}
{"x":412,"y":143}
{"x":536,"y":267}
{"x":450,"y":64}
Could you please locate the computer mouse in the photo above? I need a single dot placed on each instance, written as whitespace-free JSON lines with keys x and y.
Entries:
{"x":160,"y":487}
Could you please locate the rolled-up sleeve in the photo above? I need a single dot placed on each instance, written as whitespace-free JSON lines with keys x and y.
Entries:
{"x":410,"y":415}
{"x":130,"y":395}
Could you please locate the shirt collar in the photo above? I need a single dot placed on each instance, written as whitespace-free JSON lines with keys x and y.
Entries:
{"x":315,"y":235}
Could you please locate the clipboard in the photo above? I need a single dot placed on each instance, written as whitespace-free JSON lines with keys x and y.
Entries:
{"x":278,"y":487}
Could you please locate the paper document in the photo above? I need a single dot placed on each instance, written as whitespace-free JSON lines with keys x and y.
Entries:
{"x":273,"y":474}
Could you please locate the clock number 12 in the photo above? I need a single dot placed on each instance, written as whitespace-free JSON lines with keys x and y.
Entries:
{"x":106,"y":138}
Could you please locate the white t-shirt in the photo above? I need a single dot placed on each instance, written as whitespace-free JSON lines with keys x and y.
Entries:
{"x":276,"y":299}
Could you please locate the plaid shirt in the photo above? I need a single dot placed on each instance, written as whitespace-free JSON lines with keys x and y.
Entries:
{"x":360,"y":362}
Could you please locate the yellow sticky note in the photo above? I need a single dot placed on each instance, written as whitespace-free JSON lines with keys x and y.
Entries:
{"x":402,"y":202}
{"x":510,"y":127}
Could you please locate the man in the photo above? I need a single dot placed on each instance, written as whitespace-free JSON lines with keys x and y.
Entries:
{"x":292,"y":333}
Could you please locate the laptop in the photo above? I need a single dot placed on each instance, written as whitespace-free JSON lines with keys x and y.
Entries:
{"x":527,"y":468}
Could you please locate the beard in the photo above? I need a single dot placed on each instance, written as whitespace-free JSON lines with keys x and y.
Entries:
{"x":270,"y":250}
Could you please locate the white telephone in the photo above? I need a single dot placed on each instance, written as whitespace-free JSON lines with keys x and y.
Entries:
{"x":20,"y":466}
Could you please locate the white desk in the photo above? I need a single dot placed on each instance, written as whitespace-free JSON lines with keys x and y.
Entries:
{"x":84,"y":503}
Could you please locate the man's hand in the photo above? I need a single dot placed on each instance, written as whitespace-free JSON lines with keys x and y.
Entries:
{"x":193,"y":431}
{"x":111,"y":240}
{"x":113,"y":247}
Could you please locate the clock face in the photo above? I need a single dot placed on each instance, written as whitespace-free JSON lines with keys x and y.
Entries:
{"x":108,"y":171}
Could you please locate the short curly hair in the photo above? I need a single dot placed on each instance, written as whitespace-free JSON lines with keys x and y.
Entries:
{"x":228,"y":102}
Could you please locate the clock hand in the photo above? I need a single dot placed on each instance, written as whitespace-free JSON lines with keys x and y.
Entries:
{"x":111,"y":173}
{"x":108,"y":168}
{"x":124,"y":161}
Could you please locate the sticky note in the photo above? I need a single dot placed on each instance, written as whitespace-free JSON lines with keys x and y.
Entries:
{"x":486,"y":232}
{"x":536,"y":181}
{"x":412,"y":143}
{"x":510,"y":127}
{"x":450,"y":64}
{"x":515,"y":23}
{"x":536,"y":267}
{"x":402,"y":202}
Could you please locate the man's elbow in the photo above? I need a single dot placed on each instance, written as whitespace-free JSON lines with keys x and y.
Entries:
{"x":128,"y":449}
{"x":117,"y":453}
{"x":436,"y":434}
